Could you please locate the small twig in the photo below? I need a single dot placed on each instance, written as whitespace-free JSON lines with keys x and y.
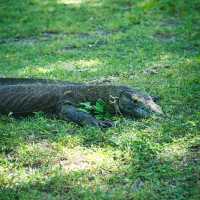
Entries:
{"x":114,"y":100}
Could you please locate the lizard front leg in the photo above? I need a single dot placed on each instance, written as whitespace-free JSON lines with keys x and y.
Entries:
{"x":71,"y":113}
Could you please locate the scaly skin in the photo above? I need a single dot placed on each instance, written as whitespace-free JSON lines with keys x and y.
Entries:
{"x":24,"y":96}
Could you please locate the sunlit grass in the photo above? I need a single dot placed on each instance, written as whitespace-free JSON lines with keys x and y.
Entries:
{"x":73,"y":2}
{"x":87,"y":63}
{"x":77,"y":2}
{"x":62,"y":67}
{"x":37,"y":162}
{"x":174,"y":151}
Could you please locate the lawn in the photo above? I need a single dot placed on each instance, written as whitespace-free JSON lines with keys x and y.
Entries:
{"x":152,"y":45}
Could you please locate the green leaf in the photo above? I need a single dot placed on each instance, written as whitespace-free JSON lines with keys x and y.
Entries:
{"x":100,"y":107}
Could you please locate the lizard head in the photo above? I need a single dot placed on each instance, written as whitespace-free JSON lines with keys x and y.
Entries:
{"x":138,"y":105}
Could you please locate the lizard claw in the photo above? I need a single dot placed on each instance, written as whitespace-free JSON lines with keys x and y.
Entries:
{"x":105,"y":123}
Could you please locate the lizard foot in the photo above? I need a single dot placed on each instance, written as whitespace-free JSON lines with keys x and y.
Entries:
{"x":105,"y":123}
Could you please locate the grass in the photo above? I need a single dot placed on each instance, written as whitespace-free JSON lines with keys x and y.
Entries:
{"x":80,"y":41}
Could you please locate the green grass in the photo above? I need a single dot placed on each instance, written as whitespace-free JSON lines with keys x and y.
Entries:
{"x":80,"y":41}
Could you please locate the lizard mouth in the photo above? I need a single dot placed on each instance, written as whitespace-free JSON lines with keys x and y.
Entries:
{"x":147,"y":111}
{"x":155,"y":108}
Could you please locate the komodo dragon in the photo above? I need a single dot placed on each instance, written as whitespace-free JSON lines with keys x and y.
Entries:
{"x":24,"y":96}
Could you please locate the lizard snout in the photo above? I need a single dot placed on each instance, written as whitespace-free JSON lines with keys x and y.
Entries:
{"x":155,"y":108}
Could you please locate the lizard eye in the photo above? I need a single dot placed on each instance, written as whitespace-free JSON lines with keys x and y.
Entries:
{"x":135,"y":100}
